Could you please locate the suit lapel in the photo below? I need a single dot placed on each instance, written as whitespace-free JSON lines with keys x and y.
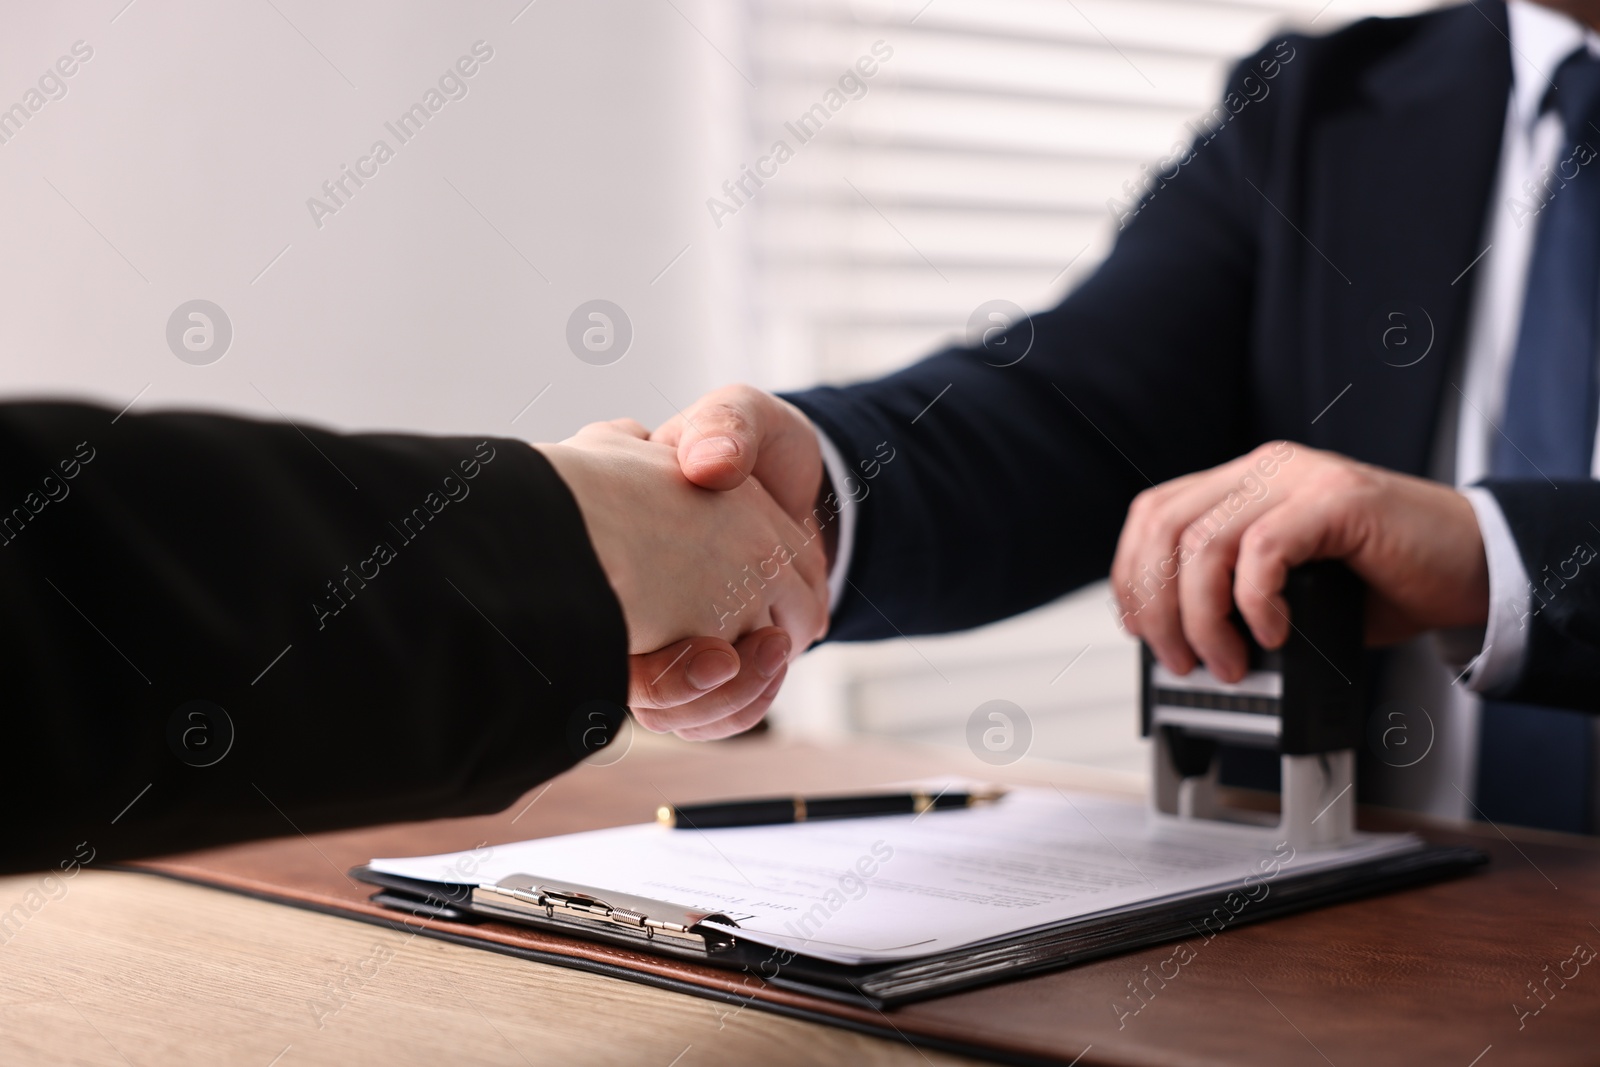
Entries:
{"x":1403,"y":174}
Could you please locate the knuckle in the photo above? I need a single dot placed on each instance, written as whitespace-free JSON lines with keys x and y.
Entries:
{"x":648,"y":718}
{"x":758,"y":707}
{"x":1247,"y":596}
{"x":1347,"y":480}
{"x":742,"y":394}
{"x":1144,"y":504}
{"x":720,"y":702}
{"x":1259,"y":540}
{"x":1166,"y":530}
{"x":1198,"y":627}
{"x":660,"y":692}
{"x":1159,"y":623}
{"x":1193,"y":539}
{"x":729,"y":414}
{"x":1197,"y":632}
{"x":818,"y":613}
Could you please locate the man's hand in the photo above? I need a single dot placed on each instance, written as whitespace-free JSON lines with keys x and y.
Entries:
{"x":739,"y":432}
{"x":723,"y":439}
{"x":703,"y":688}
{"x":686,"y":561}
{"x":1195,"y":546}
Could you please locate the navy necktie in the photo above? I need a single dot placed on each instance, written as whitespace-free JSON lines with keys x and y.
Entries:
{"x":1535,"y":764}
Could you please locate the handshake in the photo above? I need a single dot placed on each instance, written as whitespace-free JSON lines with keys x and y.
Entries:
{"x":717,"y":534}
{"x":712,"y":536}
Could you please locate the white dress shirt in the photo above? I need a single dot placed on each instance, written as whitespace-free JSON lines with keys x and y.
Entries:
{"x":1441,"y":781}
{"x":1531,"y":144}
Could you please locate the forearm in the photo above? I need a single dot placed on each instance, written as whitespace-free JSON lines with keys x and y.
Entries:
{"x":990,"y":501}
{"x":396,"y":627}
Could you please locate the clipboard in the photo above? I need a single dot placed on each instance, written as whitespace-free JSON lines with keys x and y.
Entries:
{"x":666,"y":929}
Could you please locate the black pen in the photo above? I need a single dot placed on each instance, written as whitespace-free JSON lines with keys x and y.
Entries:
{"x":766,"y":812}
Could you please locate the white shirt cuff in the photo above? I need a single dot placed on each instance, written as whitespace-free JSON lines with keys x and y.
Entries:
{"x":844,"y":492}
{"x":1505,"y":638}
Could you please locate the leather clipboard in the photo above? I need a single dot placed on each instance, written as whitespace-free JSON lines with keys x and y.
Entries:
{"x":1029,"y":1018}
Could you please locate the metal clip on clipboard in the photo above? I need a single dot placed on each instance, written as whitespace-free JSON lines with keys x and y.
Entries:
{"x":592,"y":911}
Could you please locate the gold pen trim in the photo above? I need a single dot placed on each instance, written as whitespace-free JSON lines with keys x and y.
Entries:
{"x":666,"y":816}
{"x":799,"y":809}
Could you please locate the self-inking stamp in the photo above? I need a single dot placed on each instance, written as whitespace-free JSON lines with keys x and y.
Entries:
{"x":1302,"y":701}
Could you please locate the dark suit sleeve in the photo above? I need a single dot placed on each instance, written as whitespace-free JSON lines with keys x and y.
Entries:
{"x":1557,"y":530}
{"x":217,"y":629}
{"x":1008,"y":485}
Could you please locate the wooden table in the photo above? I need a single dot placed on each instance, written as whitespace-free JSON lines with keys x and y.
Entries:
{"x":131,"y":968}
{"x":120,"y":968}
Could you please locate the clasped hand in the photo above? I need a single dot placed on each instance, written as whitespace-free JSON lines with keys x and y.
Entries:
{"x":729,"y":566}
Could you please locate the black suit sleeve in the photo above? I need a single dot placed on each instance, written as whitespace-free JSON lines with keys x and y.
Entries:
{"x":217,"y":629}
{"x":1008,"y":484}
{"x":1557,"y":530}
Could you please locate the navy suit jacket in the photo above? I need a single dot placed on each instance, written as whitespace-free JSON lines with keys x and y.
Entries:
{"x":1252,"y":287}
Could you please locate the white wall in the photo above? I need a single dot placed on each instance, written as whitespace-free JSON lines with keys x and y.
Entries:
{"x":192,"y":139}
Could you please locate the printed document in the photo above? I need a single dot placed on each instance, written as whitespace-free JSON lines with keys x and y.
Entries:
{"x":897,"y":887}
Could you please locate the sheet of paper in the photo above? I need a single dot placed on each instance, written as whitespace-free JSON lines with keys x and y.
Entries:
{"x":898,"y":887}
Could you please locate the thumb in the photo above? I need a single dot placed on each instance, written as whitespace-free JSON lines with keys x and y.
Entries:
{"x":742,"y":432}
{"x":703,"y":664}
{"x":720,"y":436}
